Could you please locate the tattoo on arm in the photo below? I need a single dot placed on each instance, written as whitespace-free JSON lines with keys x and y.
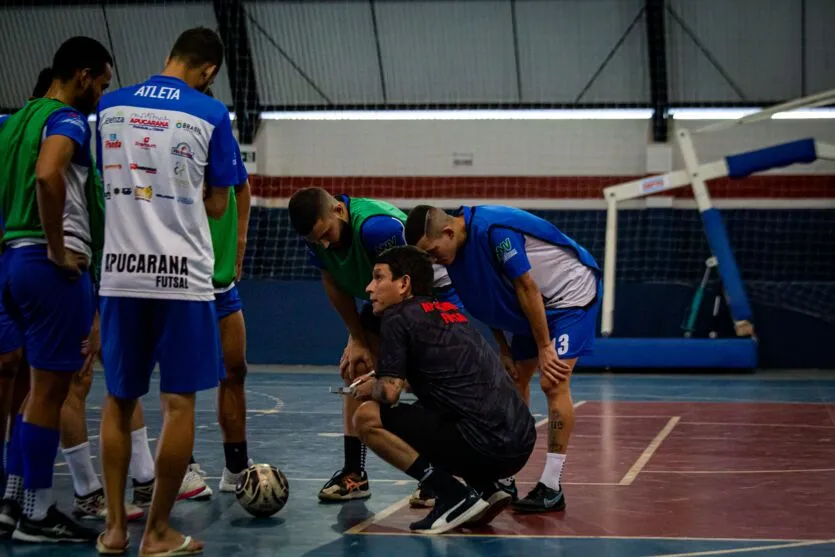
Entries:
{"x":555,"y":426}
{"x":387,"y":390}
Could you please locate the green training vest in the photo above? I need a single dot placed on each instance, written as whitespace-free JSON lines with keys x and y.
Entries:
{"x":225,"y":243}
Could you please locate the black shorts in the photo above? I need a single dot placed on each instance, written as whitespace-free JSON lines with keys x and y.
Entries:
{"x":437,"y":438}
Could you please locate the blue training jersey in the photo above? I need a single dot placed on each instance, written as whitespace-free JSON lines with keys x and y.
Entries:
{"x":494,"y":254}
{"x":158,"y":143}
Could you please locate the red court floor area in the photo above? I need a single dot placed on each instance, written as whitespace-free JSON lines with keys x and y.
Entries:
{"x":684,"y":470}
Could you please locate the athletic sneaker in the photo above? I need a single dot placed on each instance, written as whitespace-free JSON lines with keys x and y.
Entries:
{"x":422,"y":498}
{"x":10,"y":513}
{"x":509,"y":485}
{"x":541,"y":499}
{"x":498,"y":499}
{"x":345,"y":486}
{"x":194,"y":487}
{"x":93,"y":507}
{"x":229,"y":481}
{"x":449,"y":514}
{"x":143,"y":493}
{"x":56,"y":527}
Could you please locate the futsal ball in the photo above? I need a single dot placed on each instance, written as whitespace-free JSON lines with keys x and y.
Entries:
{"x":262,"y":490}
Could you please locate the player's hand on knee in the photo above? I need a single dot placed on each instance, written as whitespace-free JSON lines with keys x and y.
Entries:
{"x":551,"y":366}
{"x":360,"y":361}
{"x":363,"y":391}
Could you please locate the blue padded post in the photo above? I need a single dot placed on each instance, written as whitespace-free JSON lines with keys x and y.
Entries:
{"x":717,"y":238}
{"x":785,"y":154}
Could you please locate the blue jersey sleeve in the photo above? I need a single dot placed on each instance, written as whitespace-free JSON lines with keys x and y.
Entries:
{"x":382,"y":232}
{"x":222,"y":169}
{"x":243,"y":176}
{"x":3,"y":118}
{"x":508,"y":247}
{"x":69,"y":123}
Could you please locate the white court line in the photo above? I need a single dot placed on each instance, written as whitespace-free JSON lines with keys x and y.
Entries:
{"x":382,"y":515}
{"x":642,"y":461}
{"x":747,"y":549}
{"x":805,"y":471}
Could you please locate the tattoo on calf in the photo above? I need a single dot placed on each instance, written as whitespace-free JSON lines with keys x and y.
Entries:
{"x":555,"y":425}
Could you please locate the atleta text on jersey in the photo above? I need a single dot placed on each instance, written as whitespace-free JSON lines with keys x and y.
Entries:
{"x":158,"y":143}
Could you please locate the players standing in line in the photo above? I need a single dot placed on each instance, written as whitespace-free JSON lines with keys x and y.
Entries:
{"x":519,"y":274}
{"x":344,"y":235}
{"x":229,"y":234}
{"x":469,"y":421}
{"x":49,"y":196}
{"x":157,"y":298}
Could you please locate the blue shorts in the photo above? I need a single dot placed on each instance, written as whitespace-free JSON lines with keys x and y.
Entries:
{"x":10,"y":338}
{"x":181,"y":335}
{"x":227,"y":303}
{"x":573,"y":329}
{"x":53,"y":311}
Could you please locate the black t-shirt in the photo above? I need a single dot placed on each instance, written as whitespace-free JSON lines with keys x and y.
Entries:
{"x":453,"y":370}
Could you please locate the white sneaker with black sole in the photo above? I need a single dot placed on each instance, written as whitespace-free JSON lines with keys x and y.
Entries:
{"x":55,"y":527}
{"x":451,"y":513}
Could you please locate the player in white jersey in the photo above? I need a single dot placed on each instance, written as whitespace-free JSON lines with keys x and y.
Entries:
{"x":158,"y":143}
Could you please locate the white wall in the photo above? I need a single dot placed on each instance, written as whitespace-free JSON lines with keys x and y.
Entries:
{"x":501,"y":147}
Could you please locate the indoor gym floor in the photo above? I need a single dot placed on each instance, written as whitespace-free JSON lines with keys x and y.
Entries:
{"x":668,"y":465}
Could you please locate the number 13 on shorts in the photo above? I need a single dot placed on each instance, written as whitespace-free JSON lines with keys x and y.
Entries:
{"x":562,"y":344}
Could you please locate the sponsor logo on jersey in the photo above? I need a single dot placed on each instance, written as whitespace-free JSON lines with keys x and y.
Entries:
{"x":183,"y":150}
{"x":112,"y":142}
{"x":107,"y":189}
{"x":181,"y":125}
{"x":118,"y":118}
{"x":449,"y":312}
{"x":143,"y":193}
{"x":113,"y":167}
{"x":158,"y":92}
{"x":165,"y":196}
{"x":171,"y":270}
{"x":146,"y":169}
{"x":185,"y":200}
{"x":181,"y":174}
{"x":505,"y":250}
{"x":149,"y":121}
{"x":145,"y":144}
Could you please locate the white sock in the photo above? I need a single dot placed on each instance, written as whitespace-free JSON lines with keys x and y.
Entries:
{"x":14,"y":488}
{"x":84,"y":478}
{"x":553,"y":470}
{"x":36,"y":503}
{"x":141,"y":466}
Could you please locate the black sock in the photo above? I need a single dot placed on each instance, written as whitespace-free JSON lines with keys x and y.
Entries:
{"x":191,"y":460}
{"x":443,"y":483}
{"x":353,"y":455}
{"x":236,"y":457}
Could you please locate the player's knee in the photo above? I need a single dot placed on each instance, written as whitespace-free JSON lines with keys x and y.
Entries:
{"x":552,"y":389}
{"x":236,"y":373}
{"x":366,"y":419}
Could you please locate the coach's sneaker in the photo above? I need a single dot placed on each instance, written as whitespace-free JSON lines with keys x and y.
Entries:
{"x":451,"y":513}
{"x":143,"y":493}
{"x":93,"y":506}
{"x":541,"y":499}
{"x":345,"y":486}
{"x":509,"y":485}
{"x":422,"y":498}
{"x":229,"y":480}
{"x":10,"y":513}
{"x":497,"y":498}
{"x":194,"y":487}
{"x":56,"y":527}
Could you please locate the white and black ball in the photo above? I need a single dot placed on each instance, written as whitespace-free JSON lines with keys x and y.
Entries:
{"x":262,"y":490}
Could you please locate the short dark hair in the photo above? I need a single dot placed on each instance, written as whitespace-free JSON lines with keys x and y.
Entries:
{"x":416,"y":224}
{"x":409,"y":260}
{"x":80,"y":53}
{"x":307,"y":206}
{"x":198,"y":46}
{"x":43,"y":84}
